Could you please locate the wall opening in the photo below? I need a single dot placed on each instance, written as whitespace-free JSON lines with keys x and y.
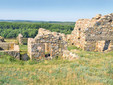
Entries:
{"x":106,"y":46}
{"x":79,"y":38}
{"x":47,"y":55}
{"x":1,"y":48}
{"x":79,"y":29}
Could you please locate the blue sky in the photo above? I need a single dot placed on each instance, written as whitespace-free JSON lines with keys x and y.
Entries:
{"x":53,"y":10}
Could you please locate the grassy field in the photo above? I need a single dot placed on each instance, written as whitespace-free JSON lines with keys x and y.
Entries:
{"x":23,"y":49}
{"x":92,"y":68}
{"x":11,"y":40}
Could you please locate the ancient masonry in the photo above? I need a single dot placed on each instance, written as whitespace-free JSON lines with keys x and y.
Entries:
{"x":9,"y":48}
{"x":20,"y":39}
{"x":47,"y":44}
{"x":94,"y":34}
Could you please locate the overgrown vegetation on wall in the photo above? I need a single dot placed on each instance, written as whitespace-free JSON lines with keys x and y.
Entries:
{"x":12,"y":29}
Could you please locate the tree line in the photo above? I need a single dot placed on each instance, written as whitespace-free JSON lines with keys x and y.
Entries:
{"x":12,"y":29}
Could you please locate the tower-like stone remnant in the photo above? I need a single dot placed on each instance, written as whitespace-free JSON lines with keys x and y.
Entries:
{"x":20,"y":39}
{"x":94,"y":34}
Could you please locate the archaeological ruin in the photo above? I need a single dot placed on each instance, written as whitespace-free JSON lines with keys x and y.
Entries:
{"x":94,"y":34}
{"x":47,"y":44}
{"x":9,"y":48}
{"x":20,"y":39}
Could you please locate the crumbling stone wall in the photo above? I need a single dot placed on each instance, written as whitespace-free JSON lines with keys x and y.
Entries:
{"x":46,"y":42}
{"x":6,"y":46}
{"x":10,"y":49}
{"x":42,"y":31}
{"x":94,"y":34}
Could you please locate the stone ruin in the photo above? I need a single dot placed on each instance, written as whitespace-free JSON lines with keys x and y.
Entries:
{"x":20,"y":39}
{"x":9,"y":48}
{"x":1,"y":39}
{"x":94,"y":34}
{"x":47,"y":44}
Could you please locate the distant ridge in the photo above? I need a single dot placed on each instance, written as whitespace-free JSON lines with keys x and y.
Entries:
{"x":32,"y":21}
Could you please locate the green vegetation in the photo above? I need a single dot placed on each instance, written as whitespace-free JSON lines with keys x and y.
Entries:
{"x":71,"y":47}
{"x":23,"y":49}
{"x":92,"y":68}
{"x":12,"y":29}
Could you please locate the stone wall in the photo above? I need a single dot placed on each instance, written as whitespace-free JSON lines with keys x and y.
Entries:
{"x":15,"y":54}
{"x":10,"y":49}
{"x":42,"y":31}
{"x":94,"y":34}
{"x":6,"y":46}
{"x":46,"y":43}
{"x":31,"y":42}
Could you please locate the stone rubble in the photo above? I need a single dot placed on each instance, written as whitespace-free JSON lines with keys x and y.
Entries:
{"x":69,"y":55}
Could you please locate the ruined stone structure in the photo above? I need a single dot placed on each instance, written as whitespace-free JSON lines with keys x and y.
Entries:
{"x":1,"y":39}
{"x":46,"y":44}
{"x":10,"y":48}
{"x":94,"y":34}
{"x":20,"y":39}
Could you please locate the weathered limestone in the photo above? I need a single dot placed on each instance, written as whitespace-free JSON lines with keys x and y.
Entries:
{"x":10,"y":49}
{"x":15,"y":51}
{"x":69,"y":55}
{"x":94,"y":34}
{"x":6,"y":46}
{"x":20,"y":39}
{"x":42,"y":31}
{"x":46,"y":42}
